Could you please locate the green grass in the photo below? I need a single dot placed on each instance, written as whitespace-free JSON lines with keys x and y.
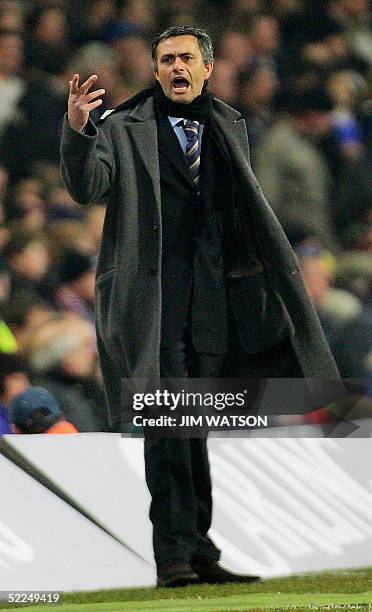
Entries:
{"x":329,"y":590}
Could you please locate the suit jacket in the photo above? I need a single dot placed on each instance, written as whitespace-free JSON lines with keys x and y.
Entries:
{"x":119,"y":162}
{"x":192,"y":277}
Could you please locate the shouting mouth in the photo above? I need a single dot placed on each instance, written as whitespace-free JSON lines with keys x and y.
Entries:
{"x":180,"y":85}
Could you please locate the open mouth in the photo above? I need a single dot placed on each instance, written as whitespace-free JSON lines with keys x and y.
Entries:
{"x":180,"y":84}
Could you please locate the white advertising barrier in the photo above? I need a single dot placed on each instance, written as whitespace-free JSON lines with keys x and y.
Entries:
{"x":281,"y":505}
{"x":47,"y":545}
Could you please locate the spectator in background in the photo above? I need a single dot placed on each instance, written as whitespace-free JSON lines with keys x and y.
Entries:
{"x":346,"y":323}
{"x":235,"y":48}
{"x":242,"y":12}
{"x":177,"y":12}
{"x":352,"y":173}
{"x":36,"y":411}
{"x":62,"y":355}
{"x":133,"y":54}
{"x":47,"y":44}
{"x":91,"y":25}
{"x":343,"y":87}
{"x":292,"y":171}
{"x":224,"y":81}
{"x":257,"y":88}
{"x":354,"y":274}
{"x":264,"y":37}
{"x":32,"y":136}
{"x":11,"y":82}
{"x":355,"y":16}
{"x":14,"y":379}
{"x":29,"y":263}
{"x":76,"y":294}
{"x":11,"y":16}
{"x":140,"y":13}
{"x":24,"y":315}
{"x":323,"y":41}
{"x":26,"y":203}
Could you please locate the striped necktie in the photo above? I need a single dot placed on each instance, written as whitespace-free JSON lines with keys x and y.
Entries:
{"x":191,"y":129}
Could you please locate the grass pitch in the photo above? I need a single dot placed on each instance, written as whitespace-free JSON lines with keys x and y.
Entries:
{"x":347,"y":589}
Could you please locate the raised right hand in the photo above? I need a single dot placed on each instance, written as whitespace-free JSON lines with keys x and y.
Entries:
{"x":80,"y":102}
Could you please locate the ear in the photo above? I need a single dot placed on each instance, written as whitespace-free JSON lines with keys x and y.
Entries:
{"x":208,"y":71}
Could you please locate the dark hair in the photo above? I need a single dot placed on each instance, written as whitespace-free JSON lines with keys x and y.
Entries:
{"x":10,"y":364}
{"x":203,"y":38}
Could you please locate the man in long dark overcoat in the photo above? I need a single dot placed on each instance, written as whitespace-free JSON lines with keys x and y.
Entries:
{"x":195,"y":275}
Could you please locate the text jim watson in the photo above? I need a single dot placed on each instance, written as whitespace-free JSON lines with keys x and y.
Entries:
{"x":218,"y":420}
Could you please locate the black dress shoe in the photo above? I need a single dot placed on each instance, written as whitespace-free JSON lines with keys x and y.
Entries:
{"x":176,"y":574}
{"x":209,"y":571}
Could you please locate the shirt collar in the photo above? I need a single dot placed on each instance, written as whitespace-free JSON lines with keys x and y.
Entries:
{"x":176,"y":120}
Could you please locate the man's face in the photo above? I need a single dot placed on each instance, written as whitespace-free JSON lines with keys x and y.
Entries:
{"x":180,"y":68}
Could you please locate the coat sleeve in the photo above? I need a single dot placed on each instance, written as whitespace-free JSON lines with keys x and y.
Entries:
{"x":87,"y":163}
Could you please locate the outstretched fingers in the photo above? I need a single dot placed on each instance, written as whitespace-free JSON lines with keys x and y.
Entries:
{"x":84,"y":88}
{"x":91,"y":106}
{"x":94,"y":94}
{"x":74,"y":84}
{"x":82,"y":101}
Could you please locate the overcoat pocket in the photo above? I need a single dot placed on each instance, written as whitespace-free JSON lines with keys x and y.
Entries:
{"x":261,"y":317}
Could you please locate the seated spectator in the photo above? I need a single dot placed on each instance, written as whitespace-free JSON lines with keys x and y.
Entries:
{"x":346,"y":323}
{"x":29,"y":263}
{"x":37,"y":411}
{"x":26,"y":203}
{"x":76,"y":294}
{"x":62,"y":355}
{"x":24,"y":315}
{"x":14,"y":379}
{"x":47,"y":39}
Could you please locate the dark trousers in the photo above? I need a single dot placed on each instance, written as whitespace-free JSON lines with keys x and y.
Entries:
{"x":178,"y":475}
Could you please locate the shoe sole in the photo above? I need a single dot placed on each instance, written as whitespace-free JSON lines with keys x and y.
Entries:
{"x":228,"y":581}
{"x":178,"y":581}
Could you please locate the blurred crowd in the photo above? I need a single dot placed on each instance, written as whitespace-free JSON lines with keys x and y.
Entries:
{"x":300,"y":73}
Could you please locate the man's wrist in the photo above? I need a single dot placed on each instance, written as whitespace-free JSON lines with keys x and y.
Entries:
{"x":76,"y":128}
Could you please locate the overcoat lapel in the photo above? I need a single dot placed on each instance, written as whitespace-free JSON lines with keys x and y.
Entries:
{"x":144,"y":132}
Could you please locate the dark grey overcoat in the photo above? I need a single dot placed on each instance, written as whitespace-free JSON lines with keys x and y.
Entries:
{"x":119,"y":162}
